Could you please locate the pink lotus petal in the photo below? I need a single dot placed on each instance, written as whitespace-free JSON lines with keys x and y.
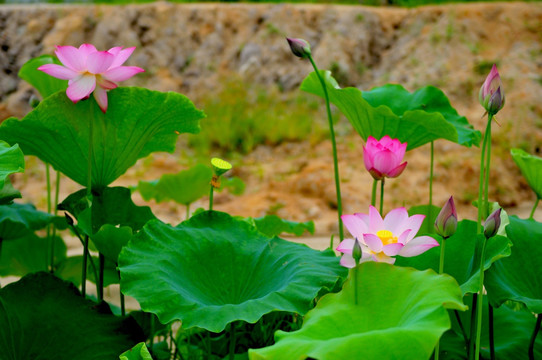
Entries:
{"x":346,"y":246}
{"x":86,"y":49}
{"x":401,"y":150}
{"x":364,"y":218}
{"x":385,"y":161}
{"x":98,"y":62}
{"x":383,"y":258}
{"x":393,"y":173}
{"x":392,"y":249}
{"x":115,"y":50}
{"x":100,"y":95}
{"x":106,"y":84}
{"x":413,"y":223}
{"x":376,"y":174}
{"x":373,"y":242}
{"x":375,"y":220}
{"x":394,"y":218}
{"x":81,"y":87}
{"x":367,"y":158}
{"x":58,"y":71}
{"x":348,"y":261}
{"x":403,"y":238}
{"x":122,"y":73}
{"x":71,"y":58}
{"x":386,"y":141}
{"x":355,"y":225}
{"x":121,"y":56}
{"x":418,"y":246}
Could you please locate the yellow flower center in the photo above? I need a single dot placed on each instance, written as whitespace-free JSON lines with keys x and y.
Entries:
{"x":386,"y":236}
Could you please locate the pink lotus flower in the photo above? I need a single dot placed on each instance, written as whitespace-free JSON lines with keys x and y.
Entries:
{"x":383,"y":158}
{"x":446,"y":222}
{"x":381,"y":239}
{"x":89,"y":70}
{"x":491,"y":94}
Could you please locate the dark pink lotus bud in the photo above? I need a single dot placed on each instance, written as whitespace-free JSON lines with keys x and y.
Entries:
{"x":446,"y":222}
{"x":491,"y":94}
{"x":492,"y":224}
{"x":383,"y":158}
{"x":299,"y":47}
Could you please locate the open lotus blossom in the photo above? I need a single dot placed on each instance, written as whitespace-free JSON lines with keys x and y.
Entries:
{"x":381,"y":239}
{"x":383,"y":158}
{"x":89,"y":70}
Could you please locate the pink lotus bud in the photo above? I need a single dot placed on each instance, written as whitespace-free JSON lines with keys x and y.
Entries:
{"x":299,"y":47}
{"x":492,"y":224}
{"x":446,"y":222}
{"x":491,"y":94}
{"x":383,"y":158}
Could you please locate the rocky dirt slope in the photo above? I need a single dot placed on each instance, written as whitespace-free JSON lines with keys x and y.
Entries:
{"x":189,"y":48}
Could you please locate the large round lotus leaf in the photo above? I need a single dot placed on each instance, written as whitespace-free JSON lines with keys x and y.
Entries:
{"x":44,"y":317}
{"x":429,"y":117}
{"x":531,"y":168}
{"x":137,"y":123}
{"x":214,"y":269}
{"x":400,"y":314}
{"x":11,"y":161}
{"x":44,"y":83}
{"x":519,"y":276}
{"x":18,"y":220}
{"x":462,"y":255}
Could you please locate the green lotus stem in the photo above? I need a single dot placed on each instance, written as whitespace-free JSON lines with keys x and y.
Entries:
{"x":373,"y":193}
{"x":211,"y":198}
{"x":188,"y":211}
{"x":534,"y":208}
{"x":84,"y":270}
{"x":479,"y":306}
{"x":465,"y":337}
{"x":49,"y":240}
{"x":74,"y":229}
{"x":355,"y":272}
{"x":122,"y":304}
{"x":533,"y":336}
{"x":491,"y":333}
{"x":472,"y":325}
{"x":487,"y":171}
{"x":151,"y":340}
{"x":440,"y":271}
{"x":100,"y":281}
{"x":232,"y":341}
{"x":55,"y":212}
{"x":334,"y":147}
{"x":430,"y":210}
{"x":481,"y":210}
{"x":382,"y":195}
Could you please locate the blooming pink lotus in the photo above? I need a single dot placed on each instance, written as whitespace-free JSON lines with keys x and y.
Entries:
{"x":383,"y":158}
{"x":381,"y":239}
{"x":89,"y":70}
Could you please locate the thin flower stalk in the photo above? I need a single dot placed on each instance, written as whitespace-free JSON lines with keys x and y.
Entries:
{"x":531,"y":216}
{"x":431,"y":169}
{"x":533,"y":336}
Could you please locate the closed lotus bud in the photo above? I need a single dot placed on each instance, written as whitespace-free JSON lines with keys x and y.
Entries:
{"x":492,"y":224}
{"x":446,"y":222}
{"x":491,"y":94}
{"x":356,"y":251}
{"x":299,"y":47}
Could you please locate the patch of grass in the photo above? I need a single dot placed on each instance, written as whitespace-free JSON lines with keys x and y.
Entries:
{"x":242,"y":116}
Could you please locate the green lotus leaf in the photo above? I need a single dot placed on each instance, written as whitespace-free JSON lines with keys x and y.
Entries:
{"x":18,"y":220}
{"x":113,"y":214}
{"x":185,"y":187}
{"x":512,"y":329}
{"x":429,"y":99}
{"x":518,"y":276}
{"x":11,"y":161}
{"x":416,"y":127}
{"x":138,"y":352}
{"x":29,"y":254}
{"x":8,"y":193}
{"x":137,"y":123}
{"x":69,"y":269}
{"x":213,"y":269}
{"x":462,"y":255}
{"x":531,"y":168}
{"x":45,"y":84}
{"x":272,"y":225}
{"x":400,"y":314}
{"x":234,"y":184}
{"x":44,"y":317}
